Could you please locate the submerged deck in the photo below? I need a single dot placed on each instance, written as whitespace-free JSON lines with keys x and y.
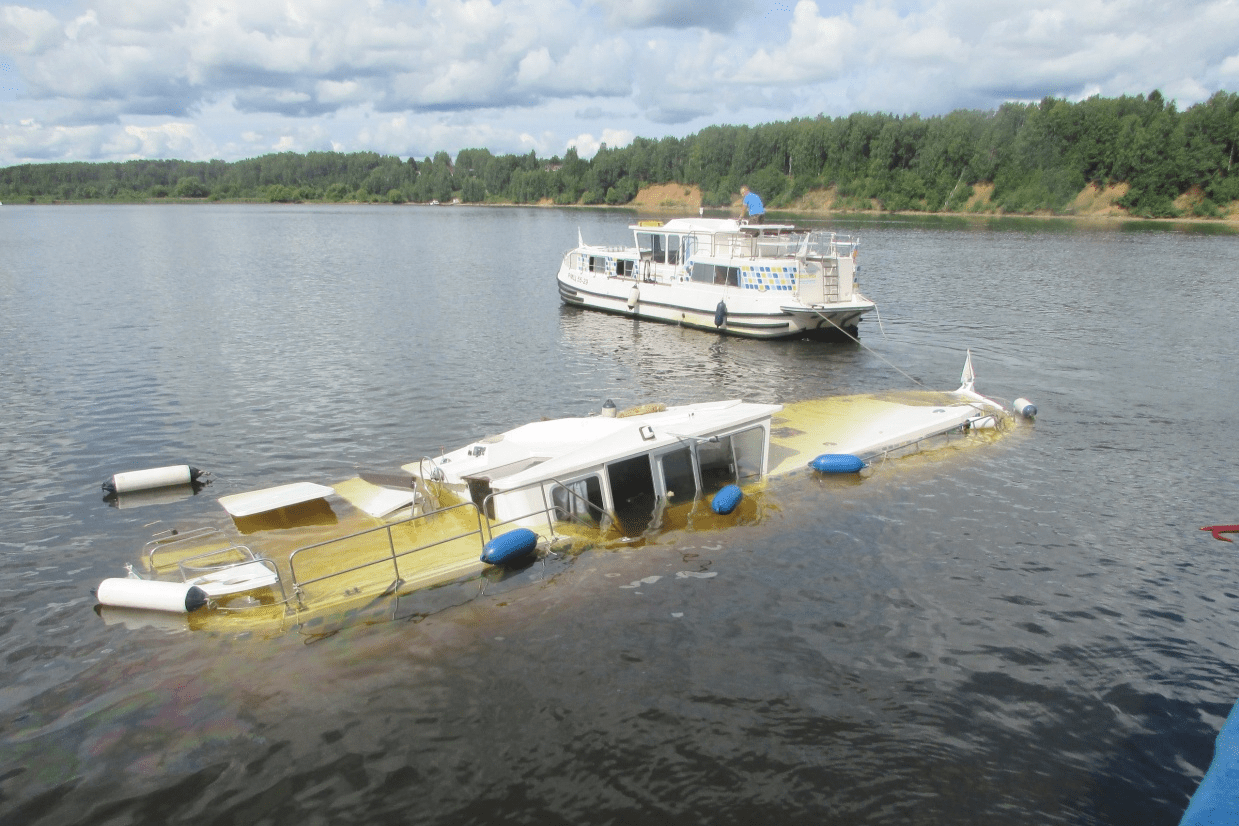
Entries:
{"x":867,"y":426}
{"x":356,"y":541}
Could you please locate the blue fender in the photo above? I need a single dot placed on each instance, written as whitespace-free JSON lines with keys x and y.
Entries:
{"x":837,"y":463}
{"x":509,"y":547}
{"x":726,"y":500}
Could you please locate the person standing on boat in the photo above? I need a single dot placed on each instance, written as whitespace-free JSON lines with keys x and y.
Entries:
{"x":751,"y":206}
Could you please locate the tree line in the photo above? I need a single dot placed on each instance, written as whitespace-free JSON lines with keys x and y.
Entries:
{"x":1038,"y":157}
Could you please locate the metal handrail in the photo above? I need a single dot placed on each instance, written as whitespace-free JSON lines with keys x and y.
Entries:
{"x":164,"y":539}
{"x":243,"y":550}
{"x":547,"y":510}
{"x":394,"y":557}
{"x":488,"y":507}
{"x":261,"y":560}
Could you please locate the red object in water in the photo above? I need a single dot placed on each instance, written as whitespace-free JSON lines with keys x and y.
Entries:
{"x":1218,"y":530}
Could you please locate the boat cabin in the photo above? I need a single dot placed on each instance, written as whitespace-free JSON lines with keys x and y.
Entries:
{"x":600,"y":471}
{"x":817,"y":266}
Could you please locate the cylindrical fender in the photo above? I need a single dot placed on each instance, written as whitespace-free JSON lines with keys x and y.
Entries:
{"x":726,"y":500}
{"x":837,"y":463}
{"x":151,"y":594}
{"x":159,"y":477}
{"x":509,"y":547}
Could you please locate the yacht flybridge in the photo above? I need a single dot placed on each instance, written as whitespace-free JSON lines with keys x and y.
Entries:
{"x":765,"y":281}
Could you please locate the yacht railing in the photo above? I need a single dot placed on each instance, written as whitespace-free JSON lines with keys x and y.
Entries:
{"x":393,"y":555}
{"x":387,"y":551}
{"x":547,"y":510}
{"x":206,"y":563}
{"x":816,"y":244}
{"x":173,"y":540}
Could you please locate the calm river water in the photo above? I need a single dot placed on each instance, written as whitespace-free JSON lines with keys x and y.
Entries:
{"x":1030,"y":632}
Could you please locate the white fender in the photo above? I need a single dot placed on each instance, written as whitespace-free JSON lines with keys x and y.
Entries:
{"x":634,"y":297}
{"x":151,"y":594}
{"x":158,"y":477}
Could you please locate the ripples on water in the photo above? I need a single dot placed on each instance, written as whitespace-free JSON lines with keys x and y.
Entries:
{"x":1032,"y":631}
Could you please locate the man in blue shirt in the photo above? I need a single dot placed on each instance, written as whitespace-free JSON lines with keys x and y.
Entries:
{"x":751,"y":206}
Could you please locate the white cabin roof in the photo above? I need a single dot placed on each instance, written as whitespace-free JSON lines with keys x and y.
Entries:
{"x":562,"y":447}
{"x":711,"y":225}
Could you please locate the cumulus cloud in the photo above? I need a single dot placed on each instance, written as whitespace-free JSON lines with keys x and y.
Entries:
{"x":110,"y":78}
{"x":678,"y":14}
{"x":586,"y":145}
{"x":26,"y":31}
{"x":817,"y":49}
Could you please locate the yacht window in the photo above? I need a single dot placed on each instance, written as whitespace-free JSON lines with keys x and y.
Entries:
{"x":479,"y":492}
{"x":660,"y":250}
{"x":717,"y":466}
{"x":673,"y":249}
{"x":727,"y":276}
{"x":748,"y":446}
{"x":632,"y":493}
{"x":578,"y":501}
{"x":703,"y":272}
{"x":624,"y":268}
{"x":678,"y":480}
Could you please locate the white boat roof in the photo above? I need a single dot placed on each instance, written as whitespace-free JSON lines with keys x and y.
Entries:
{"x":712,"y":225}
{"x":268,"y":499}
{"x":560,"y":447}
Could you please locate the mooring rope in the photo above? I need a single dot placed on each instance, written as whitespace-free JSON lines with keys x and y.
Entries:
{"x":888,"y":362}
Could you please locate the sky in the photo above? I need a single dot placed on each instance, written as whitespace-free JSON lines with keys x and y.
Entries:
{"x":116,"y":80}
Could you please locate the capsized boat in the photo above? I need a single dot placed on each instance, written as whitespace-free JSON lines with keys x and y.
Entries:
{"x":298,"y":550}
{"x":765,"y":281}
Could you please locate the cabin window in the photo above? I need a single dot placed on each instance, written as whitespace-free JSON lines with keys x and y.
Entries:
{"x":597,"y":263}
{"x":732,"y":459}
{"x":479,"y":492}
{"x":703,"y":272}
{"x":625,"y":268}
{"x":651,"y":246}
{"x":727,"y":276}
{"x":632,"y":492}
{"x":673,"y":249}
{"x":578,"y":501}
{"x":748,"y":447}
{"x":717,"y":465}
{"x":679,"y":481}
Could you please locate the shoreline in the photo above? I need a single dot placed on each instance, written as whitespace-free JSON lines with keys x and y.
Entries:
{"x":817,"y":213}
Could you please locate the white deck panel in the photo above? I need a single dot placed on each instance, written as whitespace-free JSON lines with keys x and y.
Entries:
{"x":235,"y":579}
{"x":864,"y":425}
{"x":269,"y":499}
{"x":375,"y":500}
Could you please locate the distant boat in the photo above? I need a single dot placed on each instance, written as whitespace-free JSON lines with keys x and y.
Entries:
{"x":766,"y":281}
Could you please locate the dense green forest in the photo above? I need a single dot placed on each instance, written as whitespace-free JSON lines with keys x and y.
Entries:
{"x":1037,"y":157}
